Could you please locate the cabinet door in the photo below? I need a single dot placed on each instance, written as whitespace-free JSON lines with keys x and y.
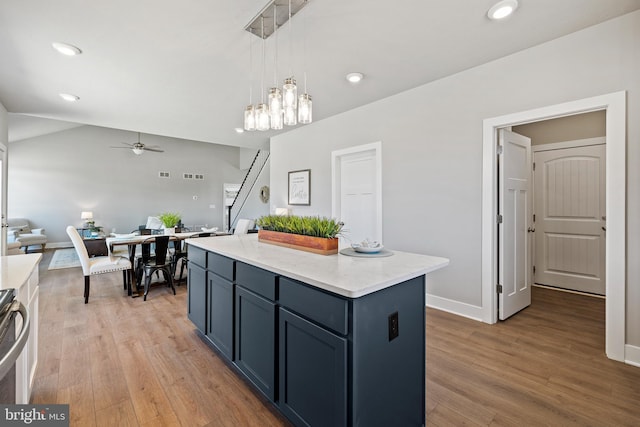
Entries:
{"x":197,"y":296}
{"x":255,"y":339}
{"x":313,"y":373}
{"x":220,"y":330}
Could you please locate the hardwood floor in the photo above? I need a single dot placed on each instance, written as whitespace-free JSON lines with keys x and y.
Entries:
{"x":121,"y":361}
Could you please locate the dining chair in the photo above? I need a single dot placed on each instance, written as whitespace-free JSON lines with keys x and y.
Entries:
{"x":159,"y":262}
{"x":99,"y":264}
{"x":182,"y":256}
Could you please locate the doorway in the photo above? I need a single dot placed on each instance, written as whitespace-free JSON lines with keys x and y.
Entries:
{"x":570,"y":220}
{"x":615,"y":241}
{"x":356,"y":196}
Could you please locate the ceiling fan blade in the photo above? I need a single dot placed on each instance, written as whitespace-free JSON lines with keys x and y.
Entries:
{"x":128,"y":148}
{"x":155,"y":150}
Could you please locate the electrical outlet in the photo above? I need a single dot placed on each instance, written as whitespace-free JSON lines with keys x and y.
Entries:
{"x":394,"y":327}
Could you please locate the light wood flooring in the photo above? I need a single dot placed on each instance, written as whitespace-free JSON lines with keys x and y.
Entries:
{"x":122,"y":361}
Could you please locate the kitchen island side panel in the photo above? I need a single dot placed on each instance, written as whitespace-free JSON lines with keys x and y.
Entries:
{"x":388,"y":378}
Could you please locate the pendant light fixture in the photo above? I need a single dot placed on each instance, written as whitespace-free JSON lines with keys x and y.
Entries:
{"x":249,"y":112}
{"x":304,"y":101}
{"x":262,"y":110}
{"x":289,"y":89}
{"x":275,"y":94}
{"x":284,"y":106}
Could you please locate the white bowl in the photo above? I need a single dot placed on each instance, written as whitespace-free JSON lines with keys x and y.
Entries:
{"x":366,"y":250}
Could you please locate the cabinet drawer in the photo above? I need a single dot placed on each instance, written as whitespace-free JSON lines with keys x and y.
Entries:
{"x":260,"y":281}
{"x":221,"y":265}
{"x":197,"y":256}
{"x":326,"y":309}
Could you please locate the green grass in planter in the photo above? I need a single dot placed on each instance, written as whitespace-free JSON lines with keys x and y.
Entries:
{"x":306,"y":225}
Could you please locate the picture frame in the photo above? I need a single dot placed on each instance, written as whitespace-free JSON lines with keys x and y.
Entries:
{"x":300,"y":187}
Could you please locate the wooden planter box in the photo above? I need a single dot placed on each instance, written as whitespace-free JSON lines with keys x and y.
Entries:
{"x":317,"y":245}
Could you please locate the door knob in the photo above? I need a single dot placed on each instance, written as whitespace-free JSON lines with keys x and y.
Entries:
{"x":531,"y":230}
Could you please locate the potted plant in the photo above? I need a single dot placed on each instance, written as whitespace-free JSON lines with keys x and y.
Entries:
{"x":311,"y":234}
{"x":170,"y":221}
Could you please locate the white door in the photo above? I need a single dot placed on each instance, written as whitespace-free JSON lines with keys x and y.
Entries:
{"x":515,"y":206}
{"x":3,"y":198}
{"x":357,"y":193}
{"x":570,"y":218}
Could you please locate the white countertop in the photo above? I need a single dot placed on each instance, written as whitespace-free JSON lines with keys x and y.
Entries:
{"x":351,"y":277}
{"x":16,"y":269}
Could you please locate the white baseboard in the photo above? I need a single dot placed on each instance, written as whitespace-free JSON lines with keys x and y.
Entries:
{"x":58,"y":245}
{"x":632,"y":355}
{"x":455,"y":307}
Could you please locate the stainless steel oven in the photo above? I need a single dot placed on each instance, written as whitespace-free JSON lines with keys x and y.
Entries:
{"x":10,"y":345}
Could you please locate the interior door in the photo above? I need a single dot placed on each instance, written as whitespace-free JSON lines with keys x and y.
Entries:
{"x":515,"y":206}
{"x":570,"y":218}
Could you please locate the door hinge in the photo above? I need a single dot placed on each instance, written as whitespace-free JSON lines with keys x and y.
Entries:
{"x":499,"y":219}
{"x":499,"y":288}
{"x":534,"y":269}
{"x":534,"y":217}
{"x":499,"y":150}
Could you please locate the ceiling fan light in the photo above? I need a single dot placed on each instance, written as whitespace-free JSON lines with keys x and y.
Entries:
{"x":137,"y":151}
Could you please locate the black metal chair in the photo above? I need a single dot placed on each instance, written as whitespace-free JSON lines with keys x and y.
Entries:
{"x":159,"y":262}
{"x":182,"y":256}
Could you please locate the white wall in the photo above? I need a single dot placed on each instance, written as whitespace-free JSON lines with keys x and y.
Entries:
{"x":4,"y":126}
{"x":52,"y":178}
{"x":432,"y":149}
{"x":254,"y":208}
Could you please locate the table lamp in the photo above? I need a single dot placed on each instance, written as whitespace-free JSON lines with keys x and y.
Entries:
{"x":88,"y":219}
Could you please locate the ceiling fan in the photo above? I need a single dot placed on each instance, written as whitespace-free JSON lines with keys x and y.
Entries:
{"x":139,"y":148}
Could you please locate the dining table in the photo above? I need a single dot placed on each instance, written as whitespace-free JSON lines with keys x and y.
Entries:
{"x":133,"y":240}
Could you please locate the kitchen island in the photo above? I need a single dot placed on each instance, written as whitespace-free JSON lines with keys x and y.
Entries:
{"x":329,"y":340}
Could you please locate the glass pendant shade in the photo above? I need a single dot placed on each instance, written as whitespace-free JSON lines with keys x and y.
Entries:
{"x":275,"y":108}
{"x":305,"y":109}
{"x":249,"y":118}
{"x":262,"y":117}
{"x":289,"y":93}
{"x":290,"y":116}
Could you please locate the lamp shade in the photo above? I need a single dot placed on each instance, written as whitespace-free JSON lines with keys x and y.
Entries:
{"x":86,"y":215}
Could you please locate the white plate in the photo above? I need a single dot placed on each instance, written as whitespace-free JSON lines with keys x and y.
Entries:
{"x":364,"y":250}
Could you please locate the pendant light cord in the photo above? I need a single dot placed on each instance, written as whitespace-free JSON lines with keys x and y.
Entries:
{"x":262,"y":73}
{"x":275,"y":56}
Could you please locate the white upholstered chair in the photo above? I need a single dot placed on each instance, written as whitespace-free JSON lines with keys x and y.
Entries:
{"x":19,"y":230}
{"x":243,"y":226}
{"x":98,"y":265}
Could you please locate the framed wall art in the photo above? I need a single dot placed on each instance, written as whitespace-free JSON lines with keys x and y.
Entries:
{"x":300,"y":187}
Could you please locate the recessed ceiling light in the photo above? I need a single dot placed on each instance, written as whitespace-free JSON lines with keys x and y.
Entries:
{"x":66,"y":49}
{"x":239,"y":130}
{"x":502,"y":9}
{"x":69,"y":97}
{"x":355,"y":77}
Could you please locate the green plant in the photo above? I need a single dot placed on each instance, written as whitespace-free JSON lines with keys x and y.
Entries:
{"x":306,"y":225}
{"x":170,"y":219}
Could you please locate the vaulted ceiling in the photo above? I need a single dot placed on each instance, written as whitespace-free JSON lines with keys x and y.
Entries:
{"x":182,"y":69}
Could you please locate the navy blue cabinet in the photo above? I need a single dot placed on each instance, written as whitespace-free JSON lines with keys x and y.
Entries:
{"x":321,"y":358}
{"x":197,"y":296}
{"x":255,"y":339}
{"x":220,"y":313}
{"x":313,"y":373}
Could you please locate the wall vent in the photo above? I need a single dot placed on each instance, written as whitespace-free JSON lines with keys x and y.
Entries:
{"x":164,"y":175}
